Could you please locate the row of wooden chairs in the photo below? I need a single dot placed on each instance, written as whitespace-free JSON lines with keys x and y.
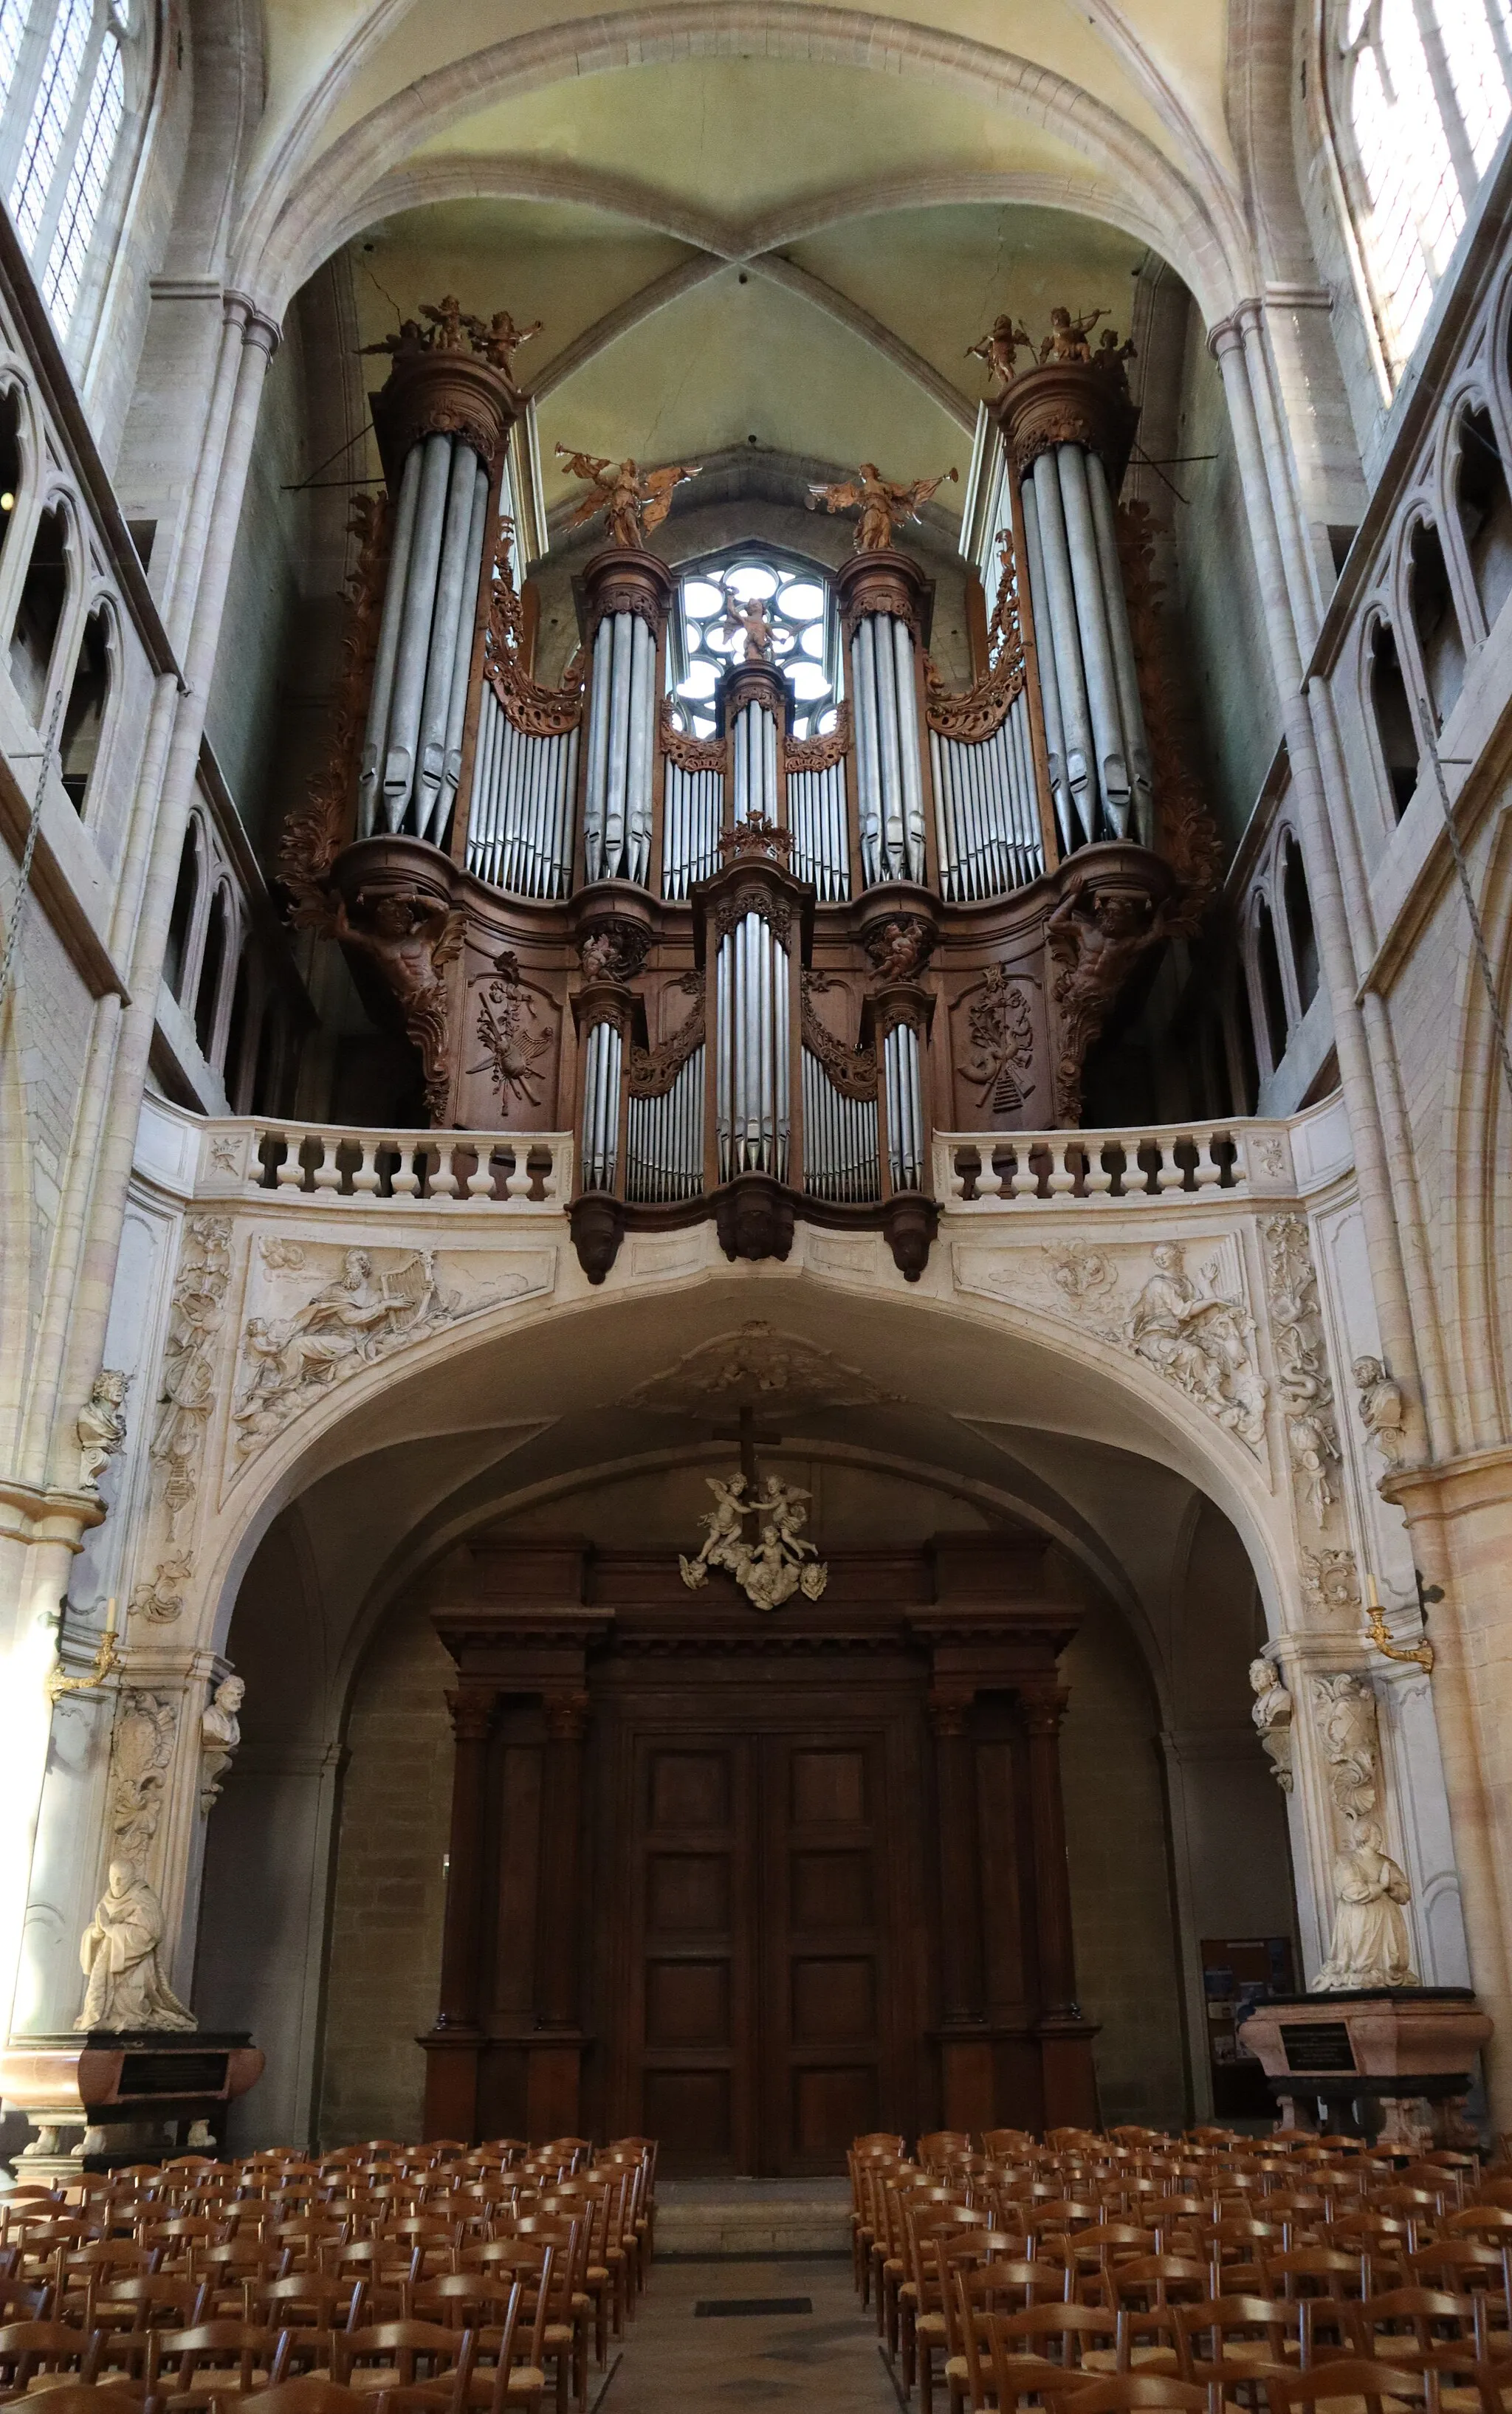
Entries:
{"x":1012,"y":2249}
{"x":199,"y":2283}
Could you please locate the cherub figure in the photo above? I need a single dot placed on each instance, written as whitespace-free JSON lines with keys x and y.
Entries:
{"x":1067,"y":339}
{"x":409,"y":340}
{"x":633,"y":500}
{"x":1110,"y":357}
{"x":447,"y":325}
{"x":752,"y":621}
{"x":999,"y":347}
{"x":501,"y":339}
{"x":883,"y":505}
{"x":723,"y":1544}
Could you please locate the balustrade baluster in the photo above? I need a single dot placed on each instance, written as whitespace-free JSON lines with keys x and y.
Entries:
{"x":443,"y":1183}
{"x":550,"y":1182}
{"x":327,"y":1170}
{"x":406,"y":1181}
{"x":1099,"y":1183}
{"x":365,"y":1180}
{"x":291,"y":1171}
{"x":479,"y":1182}
{"x":1209,"y":1163}
{"x":1170,"y":1174}
{"x":1065,"y":1167}
{"x":989,"y":1180}
{"x":516,"y":1185}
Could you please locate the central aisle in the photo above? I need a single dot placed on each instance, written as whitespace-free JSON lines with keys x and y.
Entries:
{"x":677,"y":2358}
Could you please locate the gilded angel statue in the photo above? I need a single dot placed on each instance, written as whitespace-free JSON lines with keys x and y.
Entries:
{"x":633,"y":500}
{"x":883,"y":504}
{"x":1067,"y":339}
{"x":498,"y":338}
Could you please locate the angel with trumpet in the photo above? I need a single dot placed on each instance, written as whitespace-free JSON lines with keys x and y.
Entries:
{"x":633,"y":500}
{"x":883,"y":503}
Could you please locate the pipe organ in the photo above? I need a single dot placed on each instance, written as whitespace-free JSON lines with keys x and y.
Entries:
{"x":753,"y":971}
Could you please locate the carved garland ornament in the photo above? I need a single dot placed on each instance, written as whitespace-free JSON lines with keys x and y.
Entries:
{"x":654,"y":1070}
{"x":1301,"y":1362}
{"x":852,"y":1070}
{"x":535,"y":711}
{"x":755,"y":898}
{"x":315,"y":830}
{"x":189,"y":1386}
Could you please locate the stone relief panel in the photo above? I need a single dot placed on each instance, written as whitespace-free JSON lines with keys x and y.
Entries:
{"x":1180,"y":1308}
{"x":320,"y":1313}
{"x":1302,"y":1375}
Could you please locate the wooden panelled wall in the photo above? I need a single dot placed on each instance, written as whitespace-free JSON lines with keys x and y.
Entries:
{"x":752,"y":1884}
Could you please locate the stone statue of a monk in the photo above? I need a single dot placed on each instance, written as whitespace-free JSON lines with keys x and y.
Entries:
{"x":125,"y":1986}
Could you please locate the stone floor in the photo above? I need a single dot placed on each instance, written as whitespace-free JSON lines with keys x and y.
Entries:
{"x":676,"y":2361}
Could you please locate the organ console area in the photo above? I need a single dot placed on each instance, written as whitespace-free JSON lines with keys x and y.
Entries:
{"x":752,"y":956}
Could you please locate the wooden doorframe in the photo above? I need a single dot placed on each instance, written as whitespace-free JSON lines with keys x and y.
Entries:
{"x":552,"y":1634}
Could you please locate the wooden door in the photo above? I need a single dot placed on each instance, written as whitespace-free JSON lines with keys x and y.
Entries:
{"x":829,"y":2044}
{"x":690,"y":2013}
{"x":759,"y":2024}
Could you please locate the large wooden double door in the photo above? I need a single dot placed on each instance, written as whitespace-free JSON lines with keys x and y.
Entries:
{"x":761,"y":1961}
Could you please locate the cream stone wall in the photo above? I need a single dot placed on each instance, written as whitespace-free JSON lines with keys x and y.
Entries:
{"x":390,"y":1887}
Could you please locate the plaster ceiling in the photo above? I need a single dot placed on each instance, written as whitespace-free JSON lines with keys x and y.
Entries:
{"x":786,"y":222}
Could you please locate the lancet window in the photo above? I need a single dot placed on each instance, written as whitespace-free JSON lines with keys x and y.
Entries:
{"x":1421,"y":91}
{"x":64,"y":104}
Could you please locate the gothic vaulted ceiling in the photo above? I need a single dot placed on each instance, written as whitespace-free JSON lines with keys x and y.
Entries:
{"x":738,"y":222}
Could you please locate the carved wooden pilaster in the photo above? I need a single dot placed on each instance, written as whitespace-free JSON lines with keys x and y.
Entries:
{"x":955,"y":1780}
{"x":561,"y":1819}
{"x":1068,"y":2084}
{"x":473,"y":1717}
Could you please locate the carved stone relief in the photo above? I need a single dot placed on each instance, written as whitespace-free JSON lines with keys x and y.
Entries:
{"x":160,"y":1596}
{"x":1330,"y":1580}
{"x":371,"y":1304}
{"x":1382,"y":1408}
{"x":1301,"y":1362}
{"x":100,"y":1428}
{"x":188,"y":1393}
{"x":142,"y":1749}
{"x":756,"y":1366}
{"x":1192,"y":1329}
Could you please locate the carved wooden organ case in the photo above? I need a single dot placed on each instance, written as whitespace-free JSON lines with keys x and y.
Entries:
{"x":752,"y":973}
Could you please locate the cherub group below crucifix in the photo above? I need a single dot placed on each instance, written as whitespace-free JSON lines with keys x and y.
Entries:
{"x":633,"y":500}
{"x":770,"y":1570}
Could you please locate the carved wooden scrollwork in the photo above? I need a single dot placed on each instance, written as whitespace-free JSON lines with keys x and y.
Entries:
{"x":535,"y":711}
{"x":316,"y":829}
{"x":820,"y":754}
{"x":979,"y":711}
{"x":1191,"y":844}
{"x":654,"y":1070}
{"x":691,"y":753}
{"x":853,"y":1070}
{"x":754,"y":898}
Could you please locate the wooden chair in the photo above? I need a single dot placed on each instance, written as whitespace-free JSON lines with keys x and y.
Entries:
{"x":982,"y":2275}
{"x":1225,"y":2338}
{"x":398,"y":2355}
{"x":186,"y":2369}
{"x":32,"y":2352}
{"x":1350,"y":2386}
{"x":94,"y":2397}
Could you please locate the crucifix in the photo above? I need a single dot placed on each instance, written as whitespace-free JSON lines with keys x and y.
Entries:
{"x":747,"y":1433}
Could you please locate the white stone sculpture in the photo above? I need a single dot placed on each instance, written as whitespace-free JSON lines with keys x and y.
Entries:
{"x":101,"y":1425}
{"x":1371,"y":1946}
{"x":220,"y":1734}
{"x":779,"y":1564}
{"x":1272,"y":1715}
{"x":1301,"y":1362}
{"x":125,"y":1985}
{"x":1382,"y":1408}
{"x":1201,"y":1342}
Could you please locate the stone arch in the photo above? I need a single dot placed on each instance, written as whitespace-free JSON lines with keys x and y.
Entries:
{"x":288,"y":229}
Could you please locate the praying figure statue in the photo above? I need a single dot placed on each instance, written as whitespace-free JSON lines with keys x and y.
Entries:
{"x":1067,"y":339}
{"x":633,"y":500}
{"x":883,"y":505}
{"x":999,"y":347}
{"x":1371,"y":1946}
{"x":119,"y":1955}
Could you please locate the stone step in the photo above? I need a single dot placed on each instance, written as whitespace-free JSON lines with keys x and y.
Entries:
{"x":756,"y":2217}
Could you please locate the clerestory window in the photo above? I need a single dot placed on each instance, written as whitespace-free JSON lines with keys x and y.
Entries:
{"x":1420,"y":91}
{"x":706,"y":640}
{"x":63,"y":73}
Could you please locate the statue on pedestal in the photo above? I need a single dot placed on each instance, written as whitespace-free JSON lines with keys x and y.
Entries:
{"x":1371,"y":1946}
{"x":125,"y":1985}
{"x":220,"y":1732}
{"x":1272,"y":1715}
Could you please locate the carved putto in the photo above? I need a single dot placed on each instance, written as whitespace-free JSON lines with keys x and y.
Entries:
{"x":1067,"y":339}
{"x":633,"y":500}
{"x":100,"y":1427}
{"x":452,"y":329}
{"x":1382,"y":1408}
{"x":753,"y":623}
{"x":999,"y":347}
{"x":1272,"y":1716}
{"x":883,"y":504}
{"x":900,"y":949}
{"x":120,"y":1956}
{"x":1109,"y":359}
{"x":778,"y":1564}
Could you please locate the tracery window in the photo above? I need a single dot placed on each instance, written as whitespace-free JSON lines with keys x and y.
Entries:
{"x":799,"y":602}
{"x":1422,"y":90}
{"x":63,"y":107}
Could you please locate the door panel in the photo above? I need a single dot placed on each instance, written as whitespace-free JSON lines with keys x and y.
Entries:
{"x":760,"y":1960}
